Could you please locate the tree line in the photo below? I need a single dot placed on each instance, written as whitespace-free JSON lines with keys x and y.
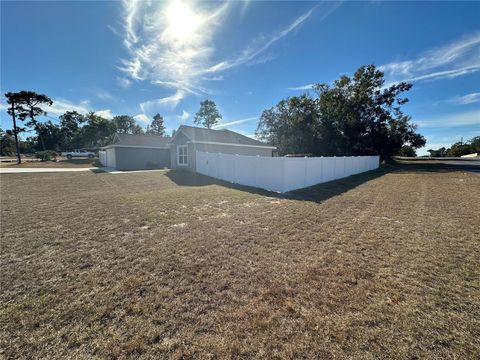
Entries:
{"x":458,"y":149}
{"x":73,"y":130}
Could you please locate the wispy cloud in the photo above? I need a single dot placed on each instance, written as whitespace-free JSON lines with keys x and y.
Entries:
{"x":303,"y":87}
{"x":124,"y":82}
{"x":235,"y":122}
{"x":449,"y":61}
{"x":259,"y":45}
{"x":170,"y":44}
{"x":142,"y":118}
{"x":168,"y":102}
{"x":184,"y":116}
{"x":467,"y":118}
{"x":106,"y":113}
{"x":173,"y":44}
{"x":61,"y":106}
{"x":104,"y":95}
{"x":466,"y":99}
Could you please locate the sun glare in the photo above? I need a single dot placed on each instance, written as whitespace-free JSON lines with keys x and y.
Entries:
{"x":182,"y":22}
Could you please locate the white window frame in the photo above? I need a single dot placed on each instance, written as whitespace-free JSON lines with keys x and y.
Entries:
{"x":185,"y":147}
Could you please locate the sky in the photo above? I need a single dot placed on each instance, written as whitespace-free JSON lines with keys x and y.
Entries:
{"x":140,"y":58}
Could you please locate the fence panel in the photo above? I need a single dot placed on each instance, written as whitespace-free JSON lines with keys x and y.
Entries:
{"x":281,"y":174}
{"x":102,"y":157}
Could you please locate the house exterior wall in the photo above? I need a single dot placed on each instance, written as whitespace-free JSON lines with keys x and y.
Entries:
{"x":179,"y":140}
{"x":129,"y":158}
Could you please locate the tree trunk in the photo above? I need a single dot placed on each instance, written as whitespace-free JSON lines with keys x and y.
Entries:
{"x":15,"y":130}
{"x":38,"y":131}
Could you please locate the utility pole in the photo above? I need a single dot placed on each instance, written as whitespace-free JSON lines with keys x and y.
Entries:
{"x":15,"y":130}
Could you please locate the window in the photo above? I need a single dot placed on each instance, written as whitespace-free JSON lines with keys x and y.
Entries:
{"x":182,"y":155}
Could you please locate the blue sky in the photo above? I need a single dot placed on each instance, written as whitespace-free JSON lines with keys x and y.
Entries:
{"x":140,"y":58}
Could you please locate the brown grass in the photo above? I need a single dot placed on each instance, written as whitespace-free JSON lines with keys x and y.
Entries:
{"x":61,"y":163}
{"x":155,"y":265}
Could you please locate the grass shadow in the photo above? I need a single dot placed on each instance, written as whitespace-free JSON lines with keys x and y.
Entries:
{"x":316,"y":193}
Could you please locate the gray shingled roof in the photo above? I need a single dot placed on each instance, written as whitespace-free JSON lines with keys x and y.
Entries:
{"x":142,"y":140}
{"x":220,"y":136}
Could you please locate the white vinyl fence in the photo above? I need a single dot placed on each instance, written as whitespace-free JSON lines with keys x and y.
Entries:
{"x":281,"y":174}
{"x":102,"y":156}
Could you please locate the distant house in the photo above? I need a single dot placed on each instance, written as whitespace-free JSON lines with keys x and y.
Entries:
{"x":135,"y":152}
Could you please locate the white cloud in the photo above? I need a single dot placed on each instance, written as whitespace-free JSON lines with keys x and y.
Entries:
{"x":235,"y":122}
{"x":467,"y":118}
{"x":303,"y":87}
{"x":170,"y":43}
{"x":61,"y":106}
{"x":106,"y":113}
{"x":169,"y":102}
{"x":124,"y":82}
{"x":185,"y":115}
{"x":104,"y":95}
{"x":466,"y":99}
{"x":455,"y":59}
{"x":142,"y":118}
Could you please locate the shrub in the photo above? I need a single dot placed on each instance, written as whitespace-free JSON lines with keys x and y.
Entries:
{"x":46,"y":155}
{"x":152,"y":165}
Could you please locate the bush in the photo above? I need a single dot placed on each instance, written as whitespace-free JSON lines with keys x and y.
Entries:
{"x":46,"y":155}
{"x":152,"y":165}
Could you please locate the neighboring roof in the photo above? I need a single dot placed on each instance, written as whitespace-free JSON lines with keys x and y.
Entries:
{"x":153,"y":141}
{"x":224,"y":136}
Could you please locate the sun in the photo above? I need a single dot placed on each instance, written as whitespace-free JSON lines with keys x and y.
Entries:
{"x":182,"y":22}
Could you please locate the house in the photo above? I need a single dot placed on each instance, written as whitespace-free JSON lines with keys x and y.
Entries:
{"x":135,"y":152}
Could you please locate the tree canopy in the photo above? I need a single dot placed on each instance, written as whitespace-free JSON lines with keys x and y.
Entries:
{"x":157,"y":126}
{"x":355,"y":115}
{"x":208,"y":114}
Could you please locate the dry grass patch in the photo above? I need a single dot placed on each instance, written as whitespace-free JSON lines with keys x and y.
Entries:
{"x":382,"y":265}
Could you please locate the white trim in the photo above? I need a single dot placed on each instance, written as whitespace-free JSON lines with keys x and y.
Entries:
{"x":230,"y":144}
{"x":178,"y":154}
{"x":135,"y":146}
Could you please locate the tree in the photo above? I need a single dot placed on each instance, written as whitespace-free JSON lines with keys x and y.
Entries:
{"x":438,"y":153}
{"x":97,"y":131}
{"x":70,"y":123}
{"x":157,"y":126}
{"x":7,"y":143}
{"x":27,"y":106}
{"x":13,"y":101}
{"x":208,"y":114}
{"x":126,"y":124}
{"x":354,"y":116}
{"x":407,"y":150}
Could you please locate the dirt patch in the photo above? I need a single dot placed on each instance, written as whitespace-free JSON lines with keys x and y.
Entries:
{"x":382,"y":265}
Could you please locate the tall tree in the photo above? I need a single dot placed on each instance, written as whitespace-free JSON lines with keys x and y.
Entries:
{"x":208,"y":114}
{"x":354,"y":116}
{"x":28,"y":106}
{"x":126,"y":124}
{"x":70,"y":123}
{"x":97,"y":131}
{"x":157,"y":126}
{"x":12,"y":100}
